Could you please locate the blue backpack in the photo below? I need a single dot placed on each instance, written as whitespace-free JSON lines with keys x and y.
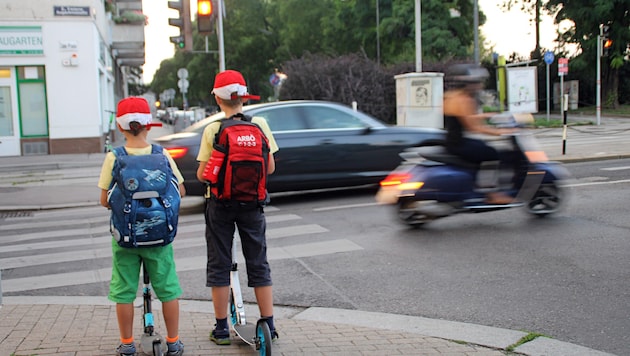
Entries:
{"x":144,"y":199}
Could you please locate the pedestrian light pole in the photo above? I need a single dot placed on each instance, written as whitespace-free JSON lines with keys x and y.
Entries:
{"x":598,"y":81}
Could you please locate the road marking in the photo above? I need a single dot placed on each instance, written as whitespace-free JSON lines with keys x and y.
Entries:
{"x":349,"y":206}
{"x":191,"y":263}
{"x":597,"y":183}
{"x":615,"y":168}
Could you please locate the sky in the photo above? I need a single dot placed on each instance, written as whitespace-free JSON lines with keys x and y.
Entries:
{"x":507,"y":32}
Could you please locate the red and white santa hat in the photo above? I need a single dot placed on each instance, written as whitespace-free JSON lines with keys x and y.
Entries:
{"x":134,"y":108}
{"x":230,"y":85}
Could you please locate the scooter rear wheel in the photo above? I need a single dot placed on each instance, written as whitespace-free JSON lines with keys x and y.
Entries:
{"x":548,"y":200}
{"x":408,"y":214}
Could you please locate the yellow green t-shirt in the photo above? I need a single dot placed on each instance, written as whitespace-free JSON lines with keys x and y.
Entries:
{"x":207,"y":139}
{"x":105,"y":179}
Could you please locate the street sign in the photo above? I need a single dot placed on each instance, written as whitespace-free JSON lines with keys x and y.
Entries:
{"x":182,"y":73}
{"x":548,"y":57}
{"x":183,"y":85}
{"x":563,"y":66}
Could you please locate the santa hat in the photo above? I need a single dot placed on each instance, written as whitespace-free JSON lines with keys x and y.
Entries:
{"x":230,"y":85}
{"x":134,"y":108}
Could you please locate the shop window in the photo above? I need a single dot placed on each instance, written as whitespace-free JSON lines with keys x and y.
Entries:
{"x":5,"y":72}
{"x":32,"y":101}
{"x":6,"y":115}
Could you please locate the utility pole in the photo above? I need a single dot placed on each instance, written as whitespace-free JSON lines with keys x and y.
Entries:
{"x":418,"y":36}
{"x":476,"y":30}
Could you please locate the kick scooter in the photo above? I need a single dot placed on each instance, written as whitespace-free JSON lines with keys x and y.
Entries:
{"x":150,"y":339}
{"x":257,"y":335}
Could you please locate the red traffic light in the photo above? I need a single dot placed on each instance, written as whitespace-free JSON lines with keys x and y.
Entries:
{"x":204,"y":8}
{"x":608,"y":43}
{"x":204,"y":16}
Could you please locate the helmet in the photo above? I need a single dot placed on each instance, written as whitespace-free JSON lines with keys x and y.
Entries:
{"x":466,"y":73}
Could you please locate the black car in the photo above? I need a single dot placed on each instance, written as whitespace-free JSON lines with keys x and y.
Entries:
{"x":322,"y":145}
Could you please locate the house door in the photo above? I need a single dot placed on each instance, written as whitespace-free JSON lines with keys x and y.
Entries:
{"x":9,"y":130}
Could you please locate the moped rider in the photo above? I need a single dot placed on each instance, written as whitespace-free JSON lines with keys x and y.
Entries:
{"x":462,"y":115}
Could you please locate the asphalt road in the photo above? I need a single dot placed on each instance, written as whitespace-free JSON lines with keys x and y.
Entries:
{"x":564,"y":276}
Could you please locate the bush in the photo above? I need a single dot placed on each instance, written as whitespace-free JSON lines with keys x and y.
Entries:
{"x":348,"y":78}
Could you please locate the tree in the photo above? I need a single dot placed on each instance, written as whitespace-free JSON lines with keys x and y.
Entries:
{"x":531,"y":7}
{"x":587,"y":16}
{"x":260,"y":36}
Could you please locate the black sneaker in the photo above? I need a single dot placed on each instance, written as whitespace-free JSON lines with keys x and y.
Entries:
{"x":274,"y":335}
{"x":220,"y":336}
{"x":175,"y":348}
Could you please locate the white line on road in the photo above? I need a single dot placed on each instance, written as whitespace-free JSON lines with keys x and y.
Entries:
{"x":615,"y":168}
{"x":184,"y":264}
{"x":597,"y":183}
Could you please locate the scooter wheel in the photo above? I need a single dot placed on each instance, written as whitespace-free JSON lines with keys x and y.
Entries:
{"x":548,"y":199}
{"x":157,"y":348}
{"x":408,"y":214}
{"x":263,"y":338}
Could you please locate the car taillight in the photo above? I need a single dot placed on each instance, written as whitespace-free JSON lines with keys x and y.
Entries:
{"x":177,"y":152}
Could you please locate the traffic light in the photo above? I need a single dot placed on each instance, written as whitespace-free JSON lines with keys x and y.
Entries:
{"x":205,"y":10}
{"x":182,"y":21}
{"x":607,"y":42}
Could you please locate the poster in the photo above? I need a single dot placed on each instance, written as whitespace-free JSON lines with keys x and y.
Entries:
{"x":522,"y":90}
{"x":421,"y":92}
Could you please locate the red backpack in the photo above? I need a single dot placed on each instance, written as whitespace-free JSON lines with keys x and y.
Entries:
{"x":244,"y":150}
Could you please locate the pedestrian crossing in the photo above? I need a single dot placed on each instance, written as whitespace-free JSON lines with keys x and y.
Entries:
{"x":60,"y":248}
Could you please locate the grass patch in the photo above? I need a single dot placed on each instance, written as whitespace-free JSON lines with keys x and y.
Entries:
{"x":621,"y":111}
{"x":525,"y":339}
{"x":541,"y":122}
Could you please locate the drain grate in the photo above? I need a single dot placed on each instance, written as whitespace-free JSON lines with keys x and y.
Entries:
{"x":15,"y":214}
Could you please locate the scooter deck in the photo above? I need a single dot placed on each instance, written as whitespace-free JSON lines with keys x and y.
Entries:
{"x":246,"y":332}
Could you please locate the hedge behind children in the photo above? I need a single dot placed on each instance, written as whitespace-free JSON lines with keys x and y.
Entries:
{"x":134,"y":120}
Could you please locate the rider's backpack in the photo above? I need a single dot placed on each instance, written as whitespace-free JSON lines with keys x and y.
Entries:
{"x":144,"y":199}
{"x":242,"y":177}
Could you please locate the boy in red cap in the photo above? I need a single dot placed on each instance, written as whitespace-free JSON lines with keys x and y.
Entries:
{"x":230,"y":92}
{"x":134,"y":120}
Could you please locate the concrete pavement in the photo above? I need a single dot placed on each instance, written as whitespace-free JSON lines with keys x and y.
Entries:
{"x":87,"y":325}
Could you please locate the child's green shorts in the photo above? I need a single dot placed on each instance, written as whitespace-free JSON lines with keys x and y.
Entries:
{"x":126,"y":267}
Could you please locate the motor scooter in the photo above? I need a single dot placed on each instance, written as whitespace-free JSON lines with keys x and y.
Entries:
{"x":430,"y":183}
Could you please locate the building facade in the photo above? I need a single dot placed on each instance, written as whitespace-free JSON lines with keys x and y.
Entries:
{"x":63,"y":67}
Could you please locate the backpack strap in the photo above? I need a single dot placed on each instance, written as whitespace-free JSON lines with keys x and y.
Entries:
{"x":119,"y":151}
{"x":155,"y":149}
{"x":241,"y":116}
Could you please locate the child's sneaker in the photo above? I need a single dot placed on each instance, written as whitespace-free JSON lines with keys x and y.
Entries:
{"x":220,"y":336}
{"x":126,"y":350}
{"x":175,"y":348}
{"x":274,"y":335}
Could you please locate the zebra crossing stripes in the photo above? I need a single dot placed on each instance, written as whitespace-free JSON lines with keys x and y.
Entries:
{"x":33,"y":243}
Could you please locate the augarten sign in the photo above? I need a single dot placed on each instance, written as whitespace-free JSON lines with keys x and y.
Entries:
{"x":16,"y":40}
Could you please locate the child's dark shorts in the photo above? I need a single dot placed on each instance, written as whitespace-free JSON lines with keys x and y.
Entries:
{"x":221,"y":221}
